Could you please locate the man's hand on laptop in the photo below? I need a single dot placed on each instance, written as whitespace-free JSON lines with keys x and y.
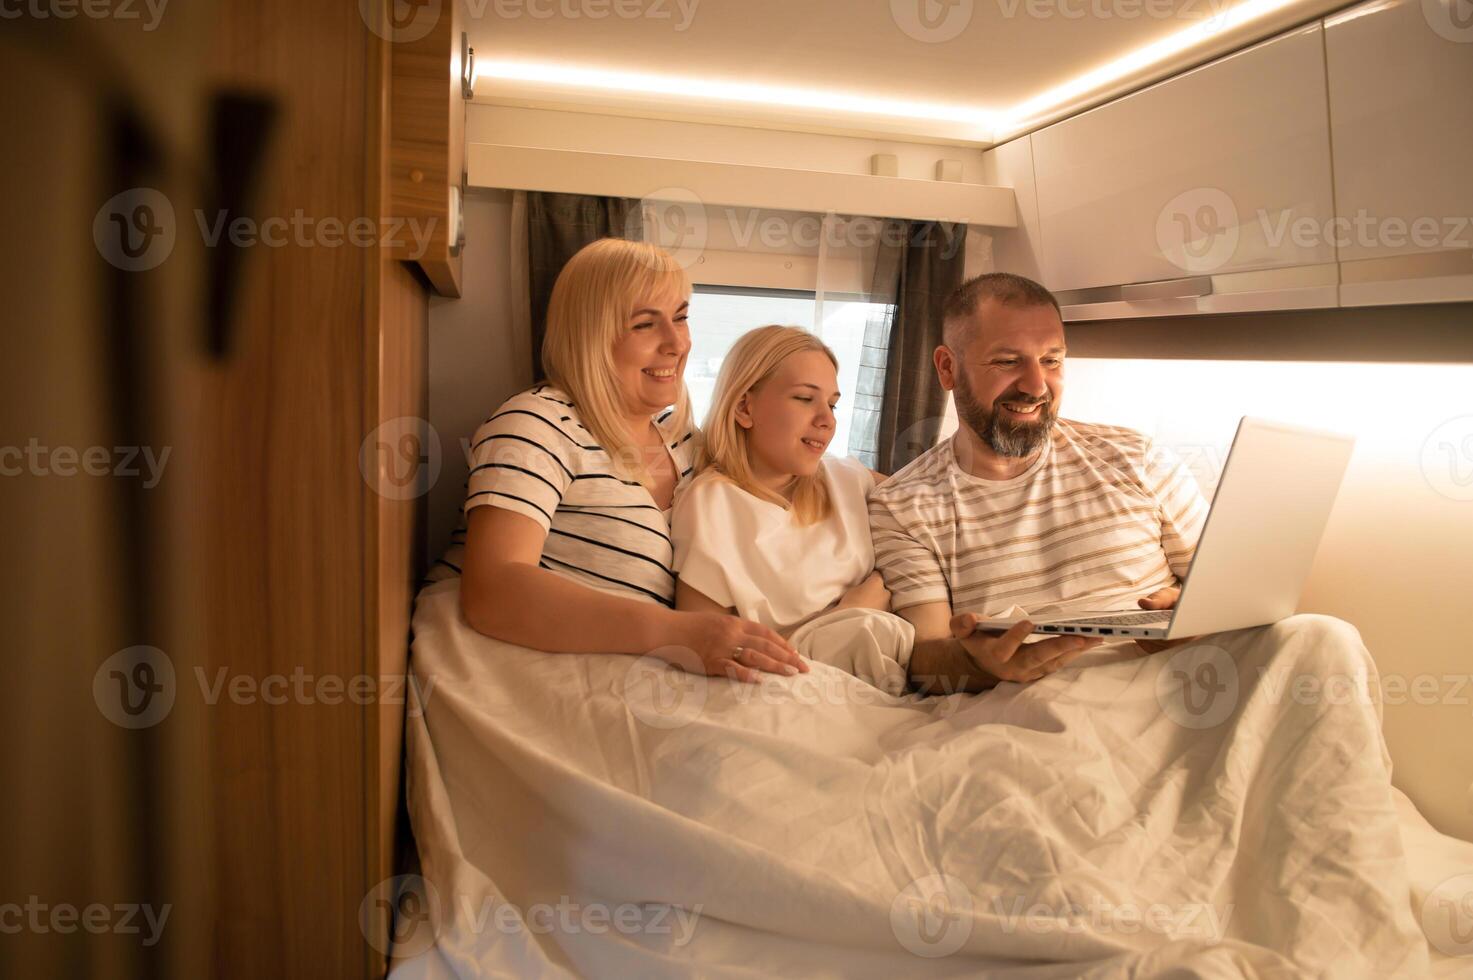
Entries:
{"x":1162,"y":599}
{"x":1006,"y":657}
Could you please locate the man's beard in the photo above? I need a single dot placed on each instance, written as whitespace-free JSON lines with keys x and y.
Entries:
{"x":1007,"y":437}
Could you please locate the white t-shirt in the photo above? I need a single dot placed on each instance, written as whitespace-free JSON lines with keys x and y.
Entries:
{"x":752,"y":555}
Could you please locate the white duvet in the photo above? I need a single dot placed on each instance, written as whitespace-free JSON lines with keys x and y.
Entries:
{"x":1188,"y":814}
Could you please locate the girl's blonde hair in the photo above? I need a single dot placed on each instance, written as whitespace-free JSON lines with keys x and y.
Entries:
{"x":588,"y":311}
{"x":749,"y":365}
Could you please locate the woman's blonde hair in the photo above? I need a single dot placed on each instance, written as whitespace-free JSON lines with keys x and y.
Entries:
{"x":750,"y":363}
{"x":589,"y":309}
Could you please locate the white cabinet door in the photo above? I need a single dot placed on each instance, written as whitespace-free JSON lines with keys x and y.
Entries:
{"x":1202,"y":175}
{"x":1016,"y":250}
{"x":1401,"y":121}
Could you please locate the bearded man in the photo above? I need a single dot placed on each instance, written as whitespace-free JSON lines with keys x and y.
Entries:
{"x":1021,"y":507}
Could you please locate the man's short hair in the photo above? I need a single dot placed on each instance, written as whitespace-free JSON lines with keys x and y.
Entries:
{"x":1004,"y":287}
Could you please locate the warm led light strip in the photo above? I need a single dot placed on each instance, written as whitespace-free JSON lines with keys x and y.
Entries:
{"x":570,"y":76}
{"x":1019,"y":115}
{"x":999,"y":125}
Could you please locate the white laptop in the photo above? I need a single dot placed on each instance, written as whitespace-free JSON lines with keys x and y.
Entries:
{"x":1256,"y":547}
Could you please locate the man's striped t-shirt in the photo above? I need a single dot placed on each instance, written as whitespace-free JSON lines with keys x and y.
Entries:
{"x":535,"y":458}
{"x":1100,"y":519}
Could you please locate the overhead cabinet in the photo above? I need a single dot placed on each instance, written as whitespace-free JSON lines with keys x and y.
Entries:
{"x":1401,"y":123}
{"x":1181,"y":198}
{"x":1328,"y":166}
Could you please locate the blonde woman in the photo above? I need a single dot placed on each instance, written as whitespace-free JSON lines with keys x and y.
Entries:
{"x":567,"y":536}
{"x":772,"y":529}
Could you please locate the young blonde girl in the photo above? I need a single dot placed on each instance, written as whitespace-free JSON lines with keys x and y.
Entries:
{"x":771,"y":528}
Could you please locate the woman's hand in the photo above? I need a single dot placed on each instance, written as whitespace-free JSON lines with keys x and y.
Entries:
{"x":869,"y":594}
{"x":729,"y":646}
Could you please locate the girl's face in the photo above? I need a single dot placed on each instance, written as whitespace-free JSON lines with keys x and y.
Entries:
{"x":650,"y":352}
{"x":789,"y":417}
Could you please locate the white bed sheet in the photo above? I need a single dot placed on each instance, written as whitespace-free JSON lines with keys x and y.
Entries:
{"x":608,"y":816}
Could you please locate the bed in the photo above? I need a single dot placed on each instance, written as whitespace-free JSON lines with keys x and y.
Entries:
{"x":1220,"y":810}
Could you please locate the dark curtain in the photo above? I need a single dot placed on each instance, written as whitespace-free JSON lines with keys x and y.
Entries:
{"x":897,"y":378}
{"x":558,"y":225}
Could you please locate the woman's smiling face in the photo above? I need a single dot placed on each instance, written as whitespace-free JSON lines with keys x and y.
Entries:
{"x":650,"y":353}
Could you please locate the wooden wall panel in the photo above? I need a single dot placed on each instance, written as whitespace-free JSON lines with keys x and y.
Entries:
{"x":289,"y":505}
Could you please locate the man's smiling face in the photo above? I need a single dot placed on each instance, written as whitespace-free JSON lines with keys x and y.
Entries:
{"x":1007,"y":375}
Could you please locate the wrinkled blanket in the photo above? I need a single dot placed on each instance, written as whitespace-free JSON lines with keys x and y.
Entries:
{"x":1218,"y":810}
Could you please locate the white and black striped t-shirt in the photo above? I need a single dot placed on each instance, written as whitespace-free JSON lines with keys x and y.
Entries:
{"x":534,"y":457}
{"x":1102,"y":518}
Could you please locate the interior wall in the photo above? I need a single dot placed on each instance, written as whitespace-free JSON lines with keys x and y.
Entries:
{"x":1394,"y":559}
{"x":476,"y":361}
{"x":592,"y":132}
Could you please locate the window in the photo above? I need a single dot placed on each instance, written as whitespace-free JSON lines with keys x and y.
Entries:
{"x":721,"y":314}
